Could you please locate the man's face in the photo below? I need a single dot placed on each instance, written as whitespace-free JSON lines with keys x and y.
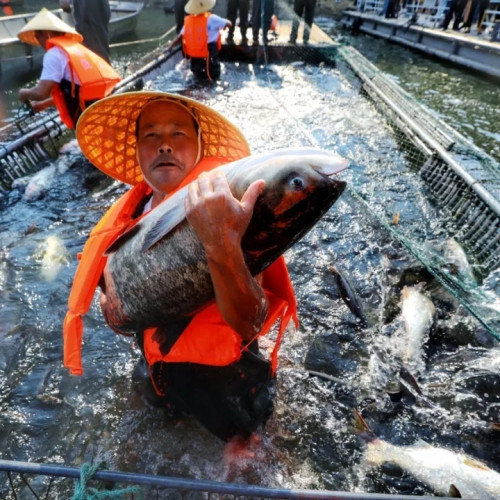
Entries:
{"x":167,"y":145}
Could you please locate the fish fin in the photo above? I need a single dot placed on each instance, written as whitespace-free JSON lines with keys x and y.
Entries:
{"x":166,"y":223}
{"x":454,"y":492}
{"x":361,"y":427}
{"x":123,"y":238}
{"x":349,"y":296}
{"x":409,"y":378}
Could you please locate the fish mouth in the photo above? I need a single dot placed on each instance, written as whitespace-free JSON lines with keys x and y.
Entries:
{"x":333,"y":168}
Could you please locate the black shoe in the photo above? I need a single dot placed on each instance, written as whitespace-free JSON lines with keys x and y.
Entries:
{"x":244,"y":40}
{"x":255,"y":43}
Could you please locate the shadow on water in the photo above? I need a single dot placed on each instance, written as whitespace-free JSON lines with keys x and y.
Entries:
{"x":309,"y":442}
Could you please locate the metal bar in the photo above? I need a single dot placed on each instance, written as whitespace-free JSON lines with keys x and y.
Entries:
{"x":195,"y":485}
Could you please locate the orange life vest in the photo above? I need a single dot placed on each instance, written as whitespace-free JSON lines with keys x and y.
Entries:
{"x":195,"y":36}
{"x":7,"y":9}
{"x":97,"y":78}
{"x":195,"y":342}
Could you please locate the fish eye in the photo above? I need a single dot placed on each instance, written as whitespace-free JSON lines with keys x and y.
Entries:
{"x":297,"y":183}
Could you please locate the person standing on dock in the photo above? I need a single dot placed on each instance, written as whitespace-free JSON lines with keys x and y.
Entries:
{"x":72,"y":75}
{"x":476,"y":7}
{"x":455,"y":11}
{"x":201,"y":39}
{"x":305,"y":8}
{"x":233,"y":7}
{"x":91,"y":21}
{"x":262,"y":17}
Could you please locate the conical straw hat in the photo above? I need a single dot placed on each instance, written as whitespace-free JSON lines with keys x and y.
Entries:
{"x":46,"y":21}
{"x":106,"y":132}
{"x":196,"y":7}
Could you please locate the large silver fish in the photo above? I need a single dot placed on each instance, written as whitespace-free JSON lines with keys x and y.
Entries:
{"x":157,"y":272}
{"x":447,"y":472}
{"x":441,"y":469}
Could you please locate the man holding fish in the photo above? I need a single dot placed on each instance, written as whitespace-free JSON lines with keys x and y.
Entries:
{"x":175,"y":258}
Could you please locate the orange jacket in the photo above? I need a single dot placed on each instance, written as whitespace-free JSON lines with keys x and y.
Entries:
{"x":195,"y":37}
{"x":190,"y":346}
{"x":97,"y":78}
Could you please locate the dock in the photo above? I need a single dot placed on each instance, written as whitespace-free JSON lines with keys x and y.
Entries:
{"x":466,"y":50}
{"x":320,"y":48}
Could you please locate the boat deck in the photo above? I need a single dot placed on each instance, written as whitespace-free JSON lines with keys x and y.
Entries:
{"x":321,"y":48}
{"x":467,"y":50}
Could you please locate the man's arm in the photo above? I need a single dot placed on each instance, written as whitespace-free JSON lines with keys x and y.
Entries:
{"x":39,"y":92}
{"x":220,"y":221}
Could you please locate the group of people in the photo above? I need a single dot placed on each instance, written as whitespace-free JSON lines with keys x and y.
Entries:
{"x":200,"y":30}
{"x":463,"y":13}
{"x":157,"y":143}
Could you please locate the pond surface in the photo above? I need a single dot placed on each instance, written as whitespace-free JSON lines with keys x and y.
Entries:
{"x":49,"y":416}
{"x":309,"y":442}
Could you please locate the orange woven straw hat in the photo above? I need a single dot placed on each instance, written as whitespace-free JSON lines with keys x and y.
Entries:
{"x":106,"y":132}
{"x":46,"y":21}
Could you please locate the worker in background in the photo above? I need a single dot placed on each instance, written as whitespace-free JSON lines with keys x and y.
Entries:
{"x":201,"y":39}
{"x":233,"y":8}
{"x":305,"y":8}
{"x":7,"y":9}
{"x":262,"y":17}
{"x":91,"y":19}
{"x":179,"y":14}
{"x":72,"y":75}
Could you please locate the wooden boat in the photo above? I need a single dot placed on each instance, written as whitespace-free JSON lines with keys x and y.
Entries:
{"x":18,"y":56}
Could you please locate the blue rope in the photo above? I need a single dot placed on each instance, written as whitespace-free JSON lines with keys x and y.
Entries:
{"x":83,"y":492}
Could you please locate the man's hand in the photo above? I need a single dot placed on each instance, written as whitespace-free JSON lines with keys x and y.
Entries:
{"x":218,"y":218}
{"x":220,"y":221}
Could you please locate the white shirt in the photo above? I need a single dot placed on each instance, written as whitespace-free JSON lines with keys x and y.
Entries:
{"x":56,"y":66}
{"x":214,"y":25}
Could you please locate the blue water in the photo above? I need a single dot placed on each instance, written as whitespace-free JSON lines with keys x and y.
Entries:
{"x":309,"y":442}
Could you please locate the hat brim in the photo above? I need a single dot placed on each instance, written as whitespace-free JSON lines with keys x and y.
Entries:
{"x":106,"y":133}
{"x":46,"y":21}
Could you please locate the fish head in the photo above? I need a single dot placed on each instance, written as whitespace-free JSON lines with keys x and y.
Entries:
{"x":300,"y":188}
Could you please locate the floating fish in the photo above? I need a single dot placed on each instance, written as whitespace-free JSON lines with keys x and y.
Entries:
{"x":157,"y":272}
{"x":447,"y":472}
{"x":417,"y":312}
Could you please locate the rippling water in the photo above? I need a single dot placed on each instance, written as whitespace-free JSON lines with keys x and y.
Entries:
{"x":309,"y":442}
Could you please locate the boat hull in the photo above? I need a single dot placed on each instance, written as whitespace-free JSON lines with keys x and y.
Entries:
{"x":20,"y":57}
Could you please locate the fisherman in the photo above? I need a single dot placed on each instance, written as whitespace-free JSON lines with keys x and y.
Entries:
{"x":201,"y":39}
{"x":207,"y":365}
{"x":72,"y":76}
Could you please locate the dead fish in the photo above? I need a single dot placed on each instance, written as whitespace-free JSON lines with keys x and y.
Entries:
{"x":157,"y":272}
{"x":445,"y":471}
{"x":348,"y":295}
{"x":417,"y":312}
